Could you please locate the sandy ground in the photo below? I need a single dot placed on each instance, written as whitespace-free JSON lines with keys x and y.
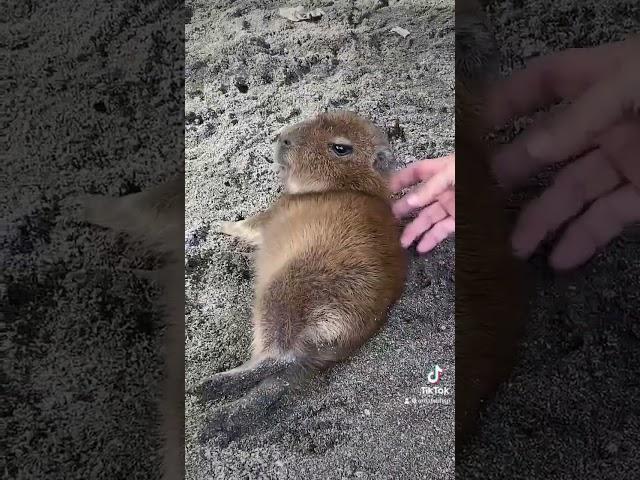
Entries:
{"x":80,"y":346}
{"x":249,"y":72}
{"x":571,"y":410}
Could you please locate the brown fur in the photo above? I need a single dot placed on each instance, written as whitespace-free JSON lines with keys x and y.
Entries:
{"x":490,"y":304}
{"x":156,"y":218}
{"x":329,"y":263}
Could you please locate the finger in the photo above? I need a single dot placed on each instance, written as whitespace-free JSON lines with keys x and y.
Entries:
{"x":547,"y":79}
{"x":573,"y":130}
{"x":513,"y":164}
{"x":601,"y":223}
{"x":426,"y":193}
{"x":416,"y":172}
{"x":425,"y":220}
{"x":436,"y":234}
{"x":575,"y":186}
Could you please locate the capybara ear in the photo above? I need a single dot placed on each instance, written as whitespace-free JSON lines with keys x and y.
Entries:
{"x":383,"y":158}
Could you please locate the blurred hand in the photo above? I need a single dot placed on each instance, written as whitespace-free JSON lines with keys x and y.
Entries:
{"x":435,"y":198}
{"x":600,"y":130}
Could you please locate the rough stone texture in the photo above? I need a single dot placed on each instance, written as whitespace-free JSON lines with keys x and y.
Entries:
{"x":249,"y":72}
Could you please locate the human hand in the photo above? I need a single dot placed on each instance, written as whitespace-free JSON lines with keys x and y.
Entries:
{"x":600,"y":129}
{"x":435,"y":197}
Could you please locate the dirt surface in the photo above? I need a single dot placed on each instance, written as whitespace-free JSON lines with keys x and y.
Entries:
{"x":248,"y":73}
{"x":92,"y":88}
{"x":571,"y":409}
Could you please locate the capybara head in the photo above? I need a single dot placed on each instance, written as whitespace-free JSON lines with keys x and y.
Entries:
{"x":328,"y":148}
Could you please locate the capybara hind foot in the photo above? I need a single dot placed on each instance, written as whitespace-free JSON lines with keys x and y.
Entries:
{"x":243,"y":416}
{"x":235,"y":382}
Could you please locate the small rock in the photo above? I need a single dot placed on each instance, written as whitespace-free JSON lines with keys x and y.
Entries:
{"x":403,"y":32}
{"x":299,"y":14}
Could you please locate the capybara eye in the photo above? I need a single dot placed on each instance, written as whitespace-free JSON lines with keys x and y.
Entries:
{"x":341,"y":150}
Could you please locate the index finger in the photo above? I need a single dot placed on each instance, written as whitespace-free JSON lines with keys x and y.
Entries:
{"x":550,"y":78}
{"x":416,"y":172}
{"x":572,"y":131}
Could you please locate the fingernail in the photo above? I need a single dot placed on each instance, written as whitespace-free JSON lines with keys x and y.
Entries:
{"x":565,"y":257}
{"x":412,"y":200}
{"x":559,"y":264}
{"x":425,"y":248}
